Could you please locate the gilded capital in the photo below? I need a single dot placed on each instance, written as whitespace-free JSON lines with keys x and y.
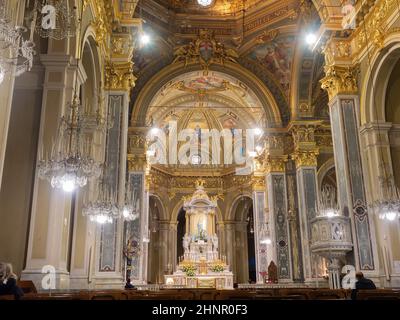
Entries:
{"x":137,"y":163}
{"x":136,"y":142}
{"x":275,"y":164}
{"x":119,"y":76}
{"x":340,"y":80}
{"x":305,"y":158}
{"x":258,"y":183}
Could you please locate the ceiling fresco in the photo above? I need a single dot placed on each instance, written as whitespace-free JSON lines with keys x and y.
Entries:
{"x":264,"y":43}
{"x":217,"y":7}
{"x":215,"y":101}
{"x":276,"y":57}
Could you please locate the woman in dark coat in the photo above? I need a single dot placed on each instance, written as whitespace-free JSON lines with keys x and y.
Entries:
{"x":8,"y":281}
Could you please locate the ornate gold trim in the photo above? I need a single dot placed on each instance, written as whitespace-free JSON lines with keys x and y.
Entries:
{"x":340,"y":80}
{"x":119,"y":76}
{"x":305,"y":158}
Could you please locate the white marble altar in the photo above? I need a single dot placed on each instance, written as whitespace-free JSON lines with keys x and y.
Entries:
{"x":201,"y":265}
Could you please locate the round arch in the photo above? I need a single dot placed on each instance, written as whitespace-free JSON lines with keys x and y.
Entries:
{"x":142,"y":103}
{"x":89,"y":39}
{"x":376,"y":80}
{"x":235,"y":203}
{"x":323,"y":170}
{"x":162,"y":212}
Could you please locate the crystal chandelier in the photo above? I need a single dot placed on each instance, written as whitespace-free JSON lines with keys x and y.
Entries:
{"x":265,"y":237}
{"x":70,"y":164}
{"x":205,"y":3}
{"x":16,"y":54}
{"x":129,"y":211}
{"x":327,"y":204}
{"x":57,"y":21}
{"x":388,"y":207}
{"x":104,"y":209}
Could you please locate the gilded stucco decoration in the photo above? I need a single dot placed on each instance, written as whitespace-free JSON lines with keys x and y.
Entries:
{"x":303,"y":134}
{"x":119,"y":76}
{"x":205,"y":50}
{"x":305,"y":158}
{"x":372,"y":31}
{"x":340,"y":80}
{"x":136,"y":141}
{"x":336,"y":50}
{"x":137,"y":162}
{"x":275,"y":163}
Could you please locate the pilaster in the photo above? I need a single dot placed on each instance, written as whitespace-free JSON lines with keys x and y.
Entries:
{"x":341,"y":84}
{"x":51,"y":208}
{"x":305,"y":159}
{"x":277,"y":208}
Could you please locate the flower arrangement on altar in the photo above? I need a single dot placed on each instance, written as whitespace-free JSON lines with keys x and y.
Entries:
{"x":189,"y":269}
{"x":217,"y":267}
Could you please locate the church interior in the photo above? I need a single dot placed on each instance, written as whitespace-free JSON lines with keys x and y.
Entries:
{"x":200,"y":149}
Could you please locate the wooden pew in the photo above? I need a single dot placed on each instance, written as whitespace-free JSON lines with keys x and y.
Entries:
{"x":27,"y":286}
{"x":379,"y":294}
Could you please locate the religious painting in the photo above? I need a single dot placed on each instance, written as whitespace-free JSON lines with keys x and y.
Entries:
{"x":148,"y":55}
{"x":205,"y":83}
{"x":229,"y":124}
{"x":276,"y":57}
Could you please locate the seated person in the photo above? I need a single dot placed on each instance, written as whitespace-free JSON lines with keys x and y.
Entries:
{"x":362,"y":284}
{"x":8,"y":281}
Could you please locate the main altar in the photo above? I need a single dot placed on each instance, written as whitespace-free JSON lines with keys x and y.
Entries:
{"x":201,"y":265}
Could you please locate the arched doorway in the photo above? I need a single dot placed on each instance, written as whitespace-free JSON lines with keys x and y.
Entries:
{"x":244,"y":267}
{"x":392,"y":113}
{"x":380,"y":122}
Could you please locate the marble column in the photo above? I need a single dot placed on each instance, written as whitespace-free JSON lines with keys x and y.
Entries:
{"x":241,"y":253}
{"x":230,"y":244}
{"x":163,"y":230}
{"x":294,"y":222}
{"x":221,"y":238}
{"x":305,"y":157}
{"x":138,"y":230}
{"x":109,"y":237}
{"x":341,"y":85}
{"x":278,"y":215}
{"x":259,"y":204}
{"x":172,"y":259}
